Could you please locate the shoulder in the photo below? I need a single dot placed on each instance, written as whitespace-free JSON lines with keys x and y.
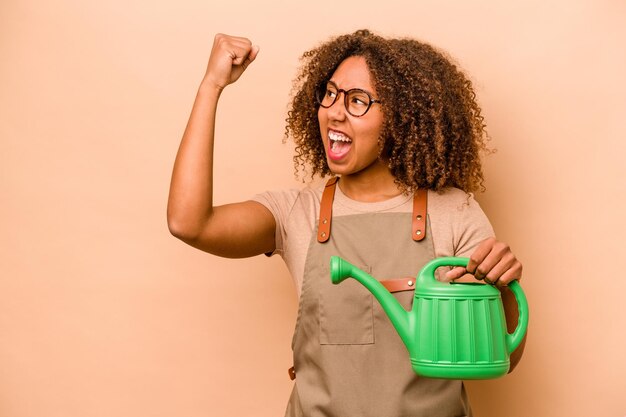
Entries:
{"x":277,"y":198}
{"x":454,"y":204}
{"x":294,"y":211}
{"x":283,"y":202}
{"x":451,"y":199}
{"x":457,"y":220}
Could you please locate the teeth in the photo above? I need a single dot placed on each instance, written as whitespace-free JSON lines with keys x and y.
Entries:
{"x":338,"y":137}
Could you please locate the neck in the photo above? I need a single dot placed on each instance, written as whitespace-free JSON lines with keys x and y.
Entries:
{"x":370,"y":188}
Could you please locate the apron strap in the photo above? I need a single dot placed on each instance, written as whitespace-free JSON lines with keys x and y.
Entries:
{"x":420,"y":208}
{"x":326,"y":210}
{"x":420,"y":204}
{"x":400,"y":284}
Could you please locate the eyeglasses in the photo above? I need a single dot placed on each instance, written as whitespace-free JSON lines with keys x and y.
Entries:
{"x":357,"y":101}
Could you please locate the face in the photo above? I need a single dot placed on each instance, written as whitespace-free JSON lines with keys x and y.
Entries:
{"x":351,"y":143}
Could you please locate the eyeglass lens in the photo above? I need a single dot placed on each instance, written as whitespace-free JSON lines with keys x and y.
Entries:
{"x":357,"y":101}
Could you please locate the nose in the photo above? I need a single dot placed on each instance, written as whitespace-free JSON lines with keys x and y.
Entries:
{"x":338,"y":109}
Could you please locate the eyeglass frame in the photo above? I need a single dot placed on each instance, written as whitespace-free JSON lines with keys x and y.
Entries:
{"x":318,"y":91}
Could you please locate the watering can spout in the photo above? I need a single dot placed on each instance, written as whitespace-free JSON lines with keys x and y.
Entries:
{"x":341,"y":269}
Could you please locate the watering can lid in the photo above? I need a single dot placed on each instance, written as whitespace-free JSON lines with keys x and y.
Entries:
{"x":457,"y":290}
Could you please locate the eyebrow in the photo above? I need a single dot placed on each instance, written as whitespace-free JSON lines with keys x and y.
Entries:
{"x":355,"y":88}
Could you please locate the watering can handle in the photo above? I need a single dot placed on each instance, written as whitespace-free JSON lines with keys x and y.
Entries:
{"x":512,"y":339}
{"x":428,"y":271}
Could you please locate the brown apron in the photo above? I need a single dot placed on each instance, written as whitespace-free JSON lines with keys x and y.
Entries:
{"x":348,"y":358}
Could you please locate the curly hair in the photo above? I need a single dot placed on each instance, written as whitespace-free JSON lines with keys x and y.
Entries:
{"x":433,"y":131}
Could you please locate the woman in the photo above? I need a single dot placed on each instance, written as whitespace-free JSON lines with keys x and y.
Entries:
{"x":397,"y":125}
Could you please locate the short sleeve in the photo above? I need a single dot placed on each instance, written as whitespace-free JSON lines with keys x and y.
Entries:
{"x":280,"y":204}
{"x":472,"y":227}
{"x":458,"y":223}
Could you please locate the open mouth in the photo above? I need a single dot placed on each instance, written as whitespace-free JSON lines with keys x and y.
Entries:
{"x":339,"y":144}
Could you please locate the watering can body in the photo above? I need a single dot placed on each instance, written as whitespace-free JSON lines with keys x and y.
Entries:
{"x":454,"y":330}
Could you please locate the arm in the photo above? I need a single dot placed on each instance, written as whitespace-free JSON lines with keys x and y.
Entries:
{"x":232,"y":230}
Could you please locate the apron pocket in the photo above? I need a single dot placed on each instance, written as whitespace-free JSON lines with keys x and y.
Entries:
{"x":346,"y":314}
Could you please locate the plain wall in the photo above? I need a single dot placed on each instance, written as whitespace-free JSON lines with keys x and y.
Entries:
{"x":104,"y":313}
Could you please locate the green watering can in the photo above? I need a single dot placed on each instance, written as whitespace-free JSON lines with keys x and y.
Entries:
{"x":455,"y":330}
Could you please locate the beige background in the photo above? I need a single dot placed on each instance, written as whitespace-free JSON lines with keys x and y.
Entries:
{"x":103,"y":313}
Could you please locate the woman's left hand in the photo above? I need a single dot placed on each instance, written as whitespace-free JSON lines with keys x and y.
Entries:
{"x":493,"y":262}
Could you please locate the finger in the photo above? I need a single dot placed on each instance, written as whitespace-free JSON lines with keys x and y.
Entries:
{"x":239,"y":54}
{"x":512,"y":274}
{"x":251,"y":56}
{"x":456,"y":273}
{"x":254,"y":52}
{"x":223,"y":39}
{"x":503,"y":265}
{"x":245,"y":44}
{"x":237,"y":48}
{"x":498,"y":251}
{"x":479,"y":254}
{"x":237,"y":38}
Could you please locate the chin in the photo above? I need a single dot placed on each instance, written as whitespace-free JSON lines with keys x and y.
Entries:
{"x":336,"y":169}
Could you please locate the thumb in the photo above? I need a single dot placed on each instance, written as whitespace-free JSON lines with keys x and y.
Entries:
{"x":456,"y":273}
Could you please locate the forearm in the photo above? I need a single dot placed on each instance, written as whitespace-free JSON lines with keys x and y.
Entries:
{"x":190,"y":202}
